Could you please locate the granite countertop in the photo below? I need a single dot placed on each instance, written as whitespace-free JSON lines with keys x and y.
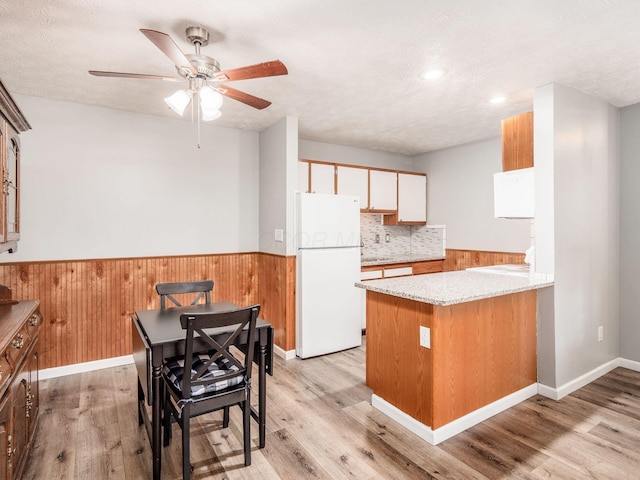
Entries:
{"x":449,"y":288}
{"x":367,"y":261}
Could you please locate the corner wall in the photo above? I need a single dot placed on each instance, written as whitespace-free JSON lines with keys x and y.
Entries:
{"x":460,"y":196}
{"x":629,"y":232}
{"x":103,"y":183}
{"x":577,"y":162}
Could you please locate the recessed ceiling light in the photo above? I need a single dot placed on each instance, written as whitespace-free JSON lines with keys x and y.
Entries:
{"x":433,"y":73}
{"x":496,"y":100}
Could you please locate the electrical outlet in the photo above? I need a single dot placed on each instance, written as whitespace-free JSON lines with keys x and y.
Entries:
{"x":377,"y":238}
{"x":425,"y":337}
{"x":600,"y":333}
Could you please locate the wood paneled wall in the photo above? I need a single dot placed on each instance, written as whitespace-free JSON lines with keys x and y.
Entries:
{"x":461,"y":259}
{"x":277,"y":297}
{"x":87,"y":304}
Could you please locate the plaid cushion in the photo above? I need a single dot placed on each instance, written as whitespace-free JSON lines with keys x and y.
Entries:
{"x":174,"y":371}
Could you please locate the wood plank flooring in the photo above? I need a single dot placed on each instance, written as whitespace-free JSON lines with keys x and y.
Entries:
{"x":321,"y":426}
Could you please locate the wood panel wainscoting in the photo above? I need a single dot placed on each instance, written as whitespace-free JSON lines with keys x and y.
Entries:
{"x":87,"y":304}
{"x":456,"y":259}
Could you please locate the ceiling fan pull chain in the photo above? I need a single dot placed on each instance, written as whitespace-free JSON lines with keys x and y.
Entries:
{"x":198,"y":115}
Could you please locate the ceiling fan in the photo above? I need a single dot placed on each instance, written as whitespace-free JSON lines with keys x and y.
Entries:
{"x":203,"y":74}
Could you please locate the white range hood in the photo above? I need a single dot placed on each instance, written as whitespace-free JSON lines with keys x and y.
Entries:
{"x":513,"y":193}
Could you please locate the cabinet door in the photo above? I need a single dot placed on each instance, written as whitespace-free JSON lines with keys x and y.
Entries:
{"x":33,"y":390}
{"x":12,"y":189}
{"x":3,"y":174}
{"x":517,"y":142}
{"x":323,"y":178}
{"x":19,"y":392}
{"x":383,"y":190}
{"x":303,"y":176}
{"x":412,"y":198}
{"x":6,"y":441}
{"x":354,"y":181}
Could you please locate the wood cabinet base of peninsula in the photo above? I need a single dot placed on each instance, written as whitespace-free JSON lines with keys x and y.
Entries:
{"x":481,"y":352}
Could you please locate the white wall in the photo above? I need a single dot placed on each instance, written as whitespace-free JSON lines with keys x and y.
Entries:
{"x":101,"y":183}
{"x":327,"y":152}
{"x":629,"y":232}
{"x":278,"y":177}
{"x":460,"y":196}
{"x":585,"y":181}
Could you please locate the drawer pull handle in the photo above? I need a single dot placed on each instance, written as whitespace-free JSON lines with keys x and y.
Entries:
{"x":18,"y":342}
{"x":10,"y":451}
{"x":29,"y":403}
{"x":33,"y":320}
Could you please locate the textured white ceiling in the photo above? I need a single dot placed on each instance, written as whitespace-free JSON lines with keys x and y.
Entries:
{"x":354,"y":65}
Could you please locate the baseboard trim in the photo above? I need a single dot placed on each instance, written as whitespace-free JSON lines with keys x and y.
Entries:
{"x":459,"y":425}
{"x":84,"y":367}
{"x":284,"y":354}
{"x":630,"y":364}
{"x":556,"y":393}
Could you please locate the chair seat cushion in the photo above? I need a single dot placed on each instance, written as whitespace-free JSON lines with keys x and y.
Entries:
{"x":174,"y":371}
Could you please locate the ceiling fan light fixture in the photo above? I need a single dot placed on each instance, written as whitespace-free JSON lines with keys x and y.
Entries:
{"x":433,"y":73}
{"x":210,"y":115}
{"x":179,"y":101}
{"x":210,"y":100}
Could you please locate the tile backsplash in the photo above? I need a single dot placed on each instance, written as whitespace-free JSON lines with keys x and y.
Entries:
{"x":402,"y":240}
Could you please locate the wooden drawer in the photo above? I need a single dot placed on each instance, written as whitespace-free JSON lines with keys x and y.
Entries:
{"x":397,"y":271}
{"x":432,"y":266}
{"x":5,"y":371}
{"x":18,"y":346}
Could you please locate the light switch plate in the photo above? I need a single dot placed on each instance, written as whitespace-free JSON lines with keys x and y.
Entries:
{"x":279,"y":235}
{"x":425,"y":337}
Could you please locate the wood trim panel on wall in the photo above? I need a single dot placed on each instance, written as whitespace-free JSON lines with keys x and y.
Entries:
{"x":277,"y":297}
{"x":87,"y":304}
{"x":461,"y":259}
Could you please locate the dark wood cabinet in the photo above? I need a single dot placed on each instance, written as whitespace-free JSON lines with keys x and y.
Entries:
{"x":12,"y":123}
{"x":6,"y":441}
{"x":19,"y":397}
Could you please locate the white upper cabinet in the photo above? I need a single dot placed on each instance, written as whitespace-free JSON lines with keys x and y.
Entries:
{"x":383,"y":193}
{"x":303,"y":176}
{"x":322,"y":177}
{"x":354,"y":181}
{"x":412,"y":198}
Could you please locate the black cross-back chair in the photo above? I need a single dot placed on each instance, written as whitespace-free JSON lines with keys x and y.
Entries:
{"x":215,"y":379}
{"x":166,"y":290}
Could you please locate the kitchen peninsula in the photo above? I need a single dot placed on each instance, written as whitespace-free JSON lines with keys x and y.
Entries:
{"x":448,"y":350}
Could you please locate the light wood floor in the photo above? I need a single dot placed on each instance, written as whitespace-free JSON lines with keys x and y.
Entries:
{"x":321,"y":426}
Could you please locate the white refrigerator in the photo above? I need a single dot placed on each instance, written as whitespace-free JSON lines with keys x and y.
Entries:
{"x":328,"y":266}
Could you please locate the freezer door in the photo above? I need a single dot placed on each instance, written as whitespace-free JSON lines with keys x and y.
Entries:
{"x":328,"y":313}
{"x":325,"y":220}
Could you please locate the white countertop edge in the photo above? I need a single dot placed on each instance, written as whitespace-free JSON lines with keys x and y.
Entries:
{"x":444,"y":303}
{"x":450,"y":298}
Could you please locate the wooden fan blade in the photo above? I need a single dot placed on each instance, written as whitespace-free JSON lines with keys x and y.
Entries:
{"x":166,"y":44}
{"x":266,"y":69}
{"x":98,"y":73}
{"x":243,"y":97}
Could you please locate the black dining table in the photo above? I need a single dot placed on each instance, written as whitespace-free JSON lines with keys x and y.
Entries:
{"x":158,"y":335}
